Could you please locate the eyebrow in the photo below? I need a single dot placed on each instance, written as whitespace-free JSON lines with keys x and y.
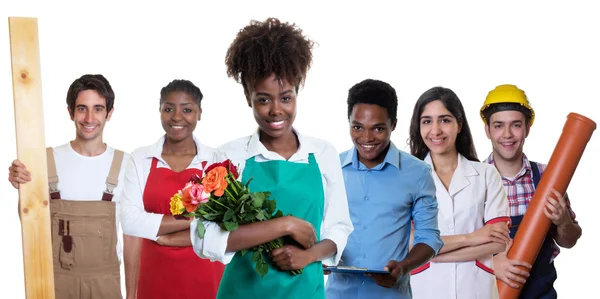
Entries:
{"x":268,"y":95}
{"x":439,"y":116}
{"x":95,"y":106}
{"x":512,"y":122}
{"x":174,"y":104}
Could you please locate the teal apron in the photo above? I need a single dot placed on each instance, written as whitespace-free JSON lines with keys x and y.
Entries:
{"x":298,"y":190}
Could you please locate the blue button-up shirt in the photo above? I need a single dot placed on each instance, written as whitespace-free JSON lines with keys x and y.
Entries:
{"x":383,"y":200}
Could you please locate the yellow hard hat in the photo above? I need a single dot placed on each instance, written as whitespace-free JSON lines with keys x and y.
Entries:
{"x":506,"y":93}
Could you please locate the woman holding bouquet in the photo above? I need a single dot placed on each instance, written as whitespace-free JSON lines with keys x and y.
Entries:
{"x":473,"y":209}
{"x":154,"y":174}
{"x":270,"y":59}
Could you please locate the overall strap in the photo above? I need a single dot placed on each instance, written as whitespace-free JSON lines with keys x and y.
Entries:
{"x":536,"y":173}
{"x":113,"y":176}
{"x":52,"y":176}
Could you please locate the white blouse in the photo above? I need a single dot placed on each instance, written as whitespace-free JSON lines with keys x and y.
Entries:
{"x":336,"y":224}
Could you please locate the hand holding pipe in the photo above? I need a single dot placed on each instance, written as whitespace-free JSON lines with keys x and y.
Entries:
{"x":535,"y":225}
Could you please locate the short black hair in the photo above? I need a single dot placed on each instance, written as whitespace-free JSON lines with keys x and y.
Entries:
{"x":94,"y":82}
{"x":493,"y":108}
{"x":183,"y":86}
{"x":374,"y":92}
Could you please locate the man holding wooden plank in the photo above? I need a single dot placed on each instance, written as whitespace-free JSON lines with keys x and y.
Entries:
{"x":83,"y":177}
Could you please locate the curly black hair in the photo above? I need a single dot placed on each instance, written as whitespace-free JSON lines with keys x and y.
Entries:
{"x":375,"y":92}
{"x":182,"y":85}
{"x":269,"y":47}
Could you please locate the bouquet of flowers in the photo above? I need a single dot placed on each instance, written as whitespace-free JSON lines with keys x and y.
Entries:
{"x":220,"y":198}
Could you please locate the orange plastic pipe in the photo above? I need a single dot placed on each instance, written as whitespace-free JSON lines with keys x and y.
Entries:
{"x":535,"y":225}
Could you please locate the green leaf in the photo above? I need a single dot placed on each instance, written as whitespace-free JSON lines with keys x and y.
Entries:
{"x":244,"y":251}
{"x":201,"y":230}
{"x":230,"y":226}
{"x":249,"y":217}
{"x":261,"y":268}
{"x":258,"y":199}
{"x":228,"y":215}
{"x":278,"y":214}
{"x":210,"y":217}
{"x":271,"y":206}
{"x":256,"y":255}
{"x":261,"y":216}
{"x":245,"y":197}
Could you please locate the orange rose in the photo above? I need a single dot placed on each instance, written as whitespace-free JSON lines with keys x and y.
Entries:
{"x":215,"y":181}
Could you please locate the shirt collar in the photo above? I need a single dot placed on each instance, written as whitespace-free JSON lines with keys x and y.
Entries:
{"x":392,"y":157}
{"x":255,"y":147}
{"x":205,"y":153}
{"x":525,"y":168}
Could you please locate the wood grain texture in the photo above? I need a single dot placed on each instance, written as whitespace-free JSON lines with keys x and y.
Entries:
{"x":29,"y":123}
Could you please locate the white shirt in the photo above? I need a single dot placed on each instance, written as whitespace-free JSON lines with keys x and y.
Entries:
{"x":134,"y":217}
{"x":336,"y":224}
{"x":84,"y":178}
{"x":474,"y":198}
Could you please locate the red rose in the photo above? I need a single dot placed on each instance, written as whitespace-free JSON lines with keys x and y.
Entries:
{"x":227,"y":164}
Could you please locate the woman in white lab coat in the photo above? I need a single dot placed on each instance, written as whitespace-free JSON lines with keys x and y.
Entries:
{"x":473,"y":214}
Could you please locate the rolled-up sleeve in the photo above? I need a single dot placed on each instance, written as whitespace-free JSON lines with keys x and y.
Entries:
{"x":135,"y":221}
{"x":425,"y":213}
{"x":214,"y":244}
{"x":496,"y":202}
{"x":337,"y":224}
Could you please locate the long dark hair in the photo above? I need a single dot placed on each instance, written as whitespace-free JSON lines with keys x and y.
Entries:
{"x":464,"y":140}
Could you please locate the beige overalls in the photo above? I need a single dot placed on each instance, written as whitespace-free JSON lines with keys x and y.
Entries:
{"x":84,"y":240}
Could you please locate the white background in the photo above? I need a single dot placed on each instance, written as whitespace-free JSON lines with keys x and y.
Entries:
{"x":549,"y":49}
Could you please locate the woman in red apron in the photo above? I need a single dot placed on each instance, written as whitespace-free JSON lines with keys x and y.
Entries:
{"x":165,"y":271}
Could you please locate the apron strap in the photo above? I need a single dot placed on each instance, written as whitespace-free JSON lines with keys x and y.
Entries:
{"x":52,"y":176}
{"x":311,"y":159}
{"x":113,"y":176}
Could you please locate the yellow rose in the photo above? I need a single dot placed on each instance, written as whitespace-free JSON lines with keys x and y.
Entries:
{"x":176,"y":205}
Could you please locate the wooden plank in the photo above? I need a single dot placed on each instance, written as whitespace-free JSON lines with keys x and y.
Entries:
{"x":29,"y":123}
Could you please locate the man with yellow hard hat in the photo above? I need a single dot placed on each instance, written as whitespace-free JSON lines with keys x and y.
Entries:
{"x":508,"y":116}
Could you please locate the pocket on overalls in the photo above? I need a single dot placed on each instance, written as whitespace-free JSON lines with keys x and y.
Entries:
{"x":82,"y":240}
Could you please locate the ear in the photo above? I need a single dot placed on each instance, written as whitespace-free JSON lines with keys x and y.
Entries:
{"x":527,"y":130}
{"x":394,"y":125}
{"x":460,"y":125}
{"x":71,"y":115}
{"x":487,"y":131}
{"x":199,"y":114}
{"x":108,"y":116}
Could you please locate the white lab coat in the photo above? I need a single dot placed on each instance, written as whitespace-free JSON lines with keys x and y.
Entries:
{"x":475,"y":197}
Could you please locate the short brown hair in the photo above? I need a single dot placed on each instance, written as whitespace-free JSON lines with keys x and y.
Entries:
{"x":91,"y":82}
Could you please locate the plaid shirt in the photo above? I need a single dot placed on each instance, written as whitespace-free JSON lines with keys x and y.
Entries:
{"x":520,"y":189}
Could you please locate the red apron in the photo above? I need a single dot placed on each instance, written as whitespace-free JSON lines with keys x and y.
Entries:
{"x":173,"y":272}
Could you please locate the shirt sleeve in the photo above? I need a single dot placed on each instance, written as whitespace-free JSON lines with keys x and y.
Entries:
{"x":425,"y":213}
{"x":337,"y":224}
{"x":214,"y":244}
{"x":496,"y":203}
{"x":135,"y":221}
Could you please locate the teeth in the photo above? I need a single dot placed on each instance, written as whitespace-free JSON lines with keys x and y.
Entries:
{"x":89,"y":127}
{"x":277,"y":123}
{"x":177,"y":127}
{"x":437,"y":140}
{"x":368,"y":145}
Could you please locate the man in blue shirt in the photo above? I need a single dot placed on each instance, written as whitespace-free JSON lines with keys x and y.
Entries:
{"x":386,"y":188}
